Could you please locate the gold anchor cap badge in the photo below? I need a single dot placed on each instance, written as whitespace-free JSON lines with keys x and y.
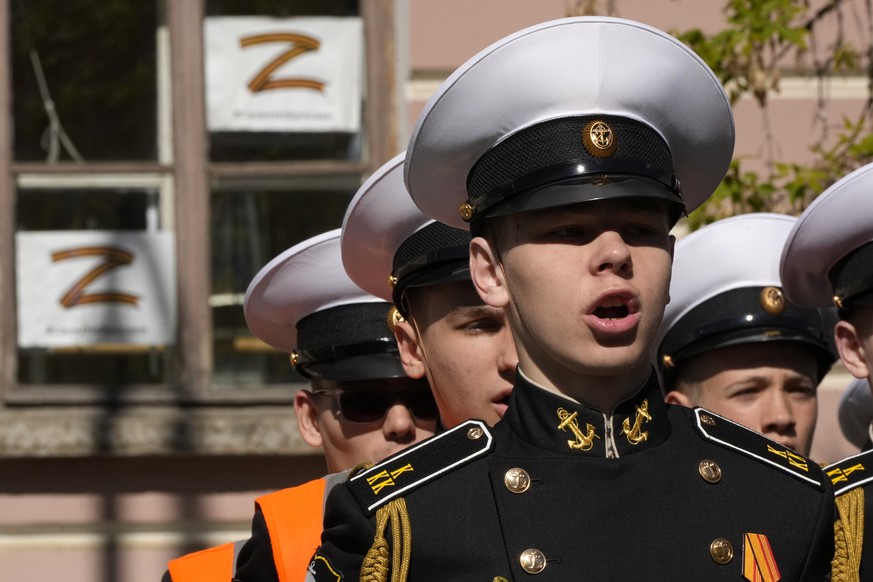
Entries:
{"x":772,"y":300}
{"x":598,"y":139}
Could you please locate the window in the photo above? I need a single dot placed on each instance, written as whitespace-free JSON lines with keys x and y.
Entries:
{"x":252,"y":222}
{"x":113,"y":136}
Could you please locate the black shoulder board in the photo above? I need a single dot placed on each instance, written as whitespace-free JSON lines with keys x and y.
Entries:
{"x":851,"y":472}
{"x":735,"y":436}
{"x":412,"y":467}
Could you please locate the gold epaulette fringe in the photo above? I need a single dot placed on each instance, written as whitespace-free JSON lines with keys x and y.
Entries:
{"x":848,"y":537}
{"x":378,"y":558}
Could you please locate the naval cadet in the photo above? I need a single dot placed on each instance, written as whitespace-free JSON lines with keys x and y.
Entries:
{"x":570,"y":149}
{"x":446,"y":334}
{"x":360,"y":405}
{"x":828,"y":260}
{"x":731,"y":343}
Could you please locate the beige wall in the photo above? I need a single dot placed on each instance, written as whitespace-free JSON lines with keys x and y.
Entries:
{"x":121,"y":519}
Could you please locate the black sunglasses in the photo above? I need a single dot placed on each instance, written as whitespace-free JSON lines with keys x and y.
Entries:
{"x":367,"y":406}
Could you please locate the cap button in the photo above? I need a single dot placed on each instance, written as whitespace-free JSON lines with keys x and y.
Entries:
{"x":393,"y":318}
{"x":532,"y":561}
{"x":517,"y":480}
{"x":466,"y":211}
{"x":721,"y":551}
{"x":709,"y":470}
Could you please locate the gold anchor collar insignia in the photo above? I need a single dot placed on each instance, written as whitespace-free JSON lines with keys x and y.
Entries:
{"x":641,"y":422}
{"x":635,"y":434}
{"x":566,"y":427}
{"x":581,"y":441}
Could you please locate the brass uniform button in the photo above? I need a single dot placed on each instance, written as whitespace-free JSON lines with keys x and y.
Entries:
{"x":532,"y":561}
{"x":709,"y":470}
{"x":721,"y":551}
{"x":517,"y":480}
{"x":474,"y":433}
{"x":706,"y":419}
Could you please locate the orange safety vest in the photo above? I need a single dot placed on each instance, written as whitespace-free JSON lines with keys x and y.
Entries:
{"x":209,"y":564}
{"x":294,"y":521}
{"x":294,"y":540}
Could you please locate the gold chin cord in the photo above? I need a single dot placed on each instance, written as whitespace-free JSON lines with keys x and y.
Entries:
{"x":848,"y":537}
{"x":378,"y":559}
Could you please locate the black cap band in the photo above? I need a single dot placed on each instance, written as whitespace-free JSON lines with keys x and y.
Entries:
{"x":852,"y":278}
{"x":561,"y":150}
{"x":743,"y":316}
{"x":436,"y":253}
{"x":330,"y":340}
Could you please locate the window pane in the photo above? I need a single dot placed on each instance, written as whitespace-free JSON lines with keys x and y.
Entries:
{"x":251,"y":224}
{"x":75,"y":326}
{"x":97,"y":59}
{"x":245,"y":125}
{"x":84,"y":209}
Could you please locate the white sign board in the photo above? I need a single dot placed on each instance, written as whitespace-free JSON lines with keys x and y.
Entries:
{"x":283,"y":74}
{"x":79,"y":288}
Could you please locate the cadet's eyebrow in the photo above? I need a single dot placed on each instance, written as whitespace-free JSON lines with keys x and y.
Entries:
{"x":480,"y":310}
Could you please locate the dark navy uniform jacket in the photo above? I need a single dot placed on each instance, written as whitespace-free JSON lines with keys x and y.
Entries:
{"x":560,"y":491}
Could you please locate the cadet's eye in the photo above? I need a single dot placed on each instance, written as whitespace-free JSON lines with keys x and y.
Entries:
{"x":567,"y":231}
{"x":801,"y":391}
{"x":745,"y":392}
{"x":644,"y":229}
{"x":639,"y":230}
{"x":483,"y":326}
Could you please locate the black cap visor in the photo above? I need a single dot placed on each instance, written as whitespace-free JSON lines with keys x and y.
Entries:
{"x":588,"y":189}
{"x":358,"y":368}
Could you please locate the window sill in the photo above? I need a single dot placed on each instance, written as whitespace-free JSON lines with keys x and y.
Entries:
{"x":154,"y":431}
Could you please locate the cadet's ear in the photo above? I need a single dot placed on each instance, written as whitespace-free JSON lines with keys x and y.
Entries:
{"x":487,"y":273}
{"x":852,"y":351}
{"x":676,"y":397}
{"x":306,"y":410}
{"x":411,"y":350}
